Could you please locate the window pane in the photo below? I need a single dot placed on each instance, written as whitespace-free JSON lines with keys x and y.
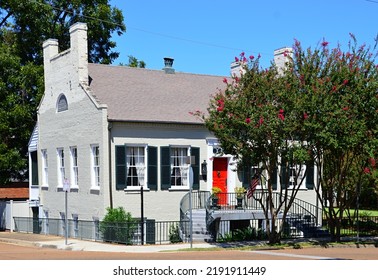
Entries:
{"x":135,"y":160}
{"x":179,"y":175}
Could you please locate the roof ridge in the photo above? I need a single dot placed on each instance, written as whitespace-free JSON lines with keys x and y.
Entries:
{"x":153,"y":70}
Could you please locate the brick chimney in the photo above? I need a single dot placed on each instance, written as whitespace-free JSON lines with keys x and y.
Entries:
{"x":237,"y":69}
{"x":281,"y":57}
{"x":79,"y":50}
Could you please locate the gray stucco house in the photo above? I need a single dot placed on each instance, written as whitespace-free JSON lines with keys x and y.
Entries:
{"x":105,"y":131}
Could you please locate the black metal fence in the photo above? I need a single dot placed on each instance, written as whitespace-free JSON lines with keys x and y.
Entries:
{"x":245,"y":230}
{"x":155,"y":232}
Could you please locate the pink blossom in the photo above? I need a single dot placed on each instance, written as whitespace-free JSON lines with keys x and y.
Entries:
{"x":220,"y":105}
{"x":345,"y":82}
{"x":251,"y":57}
{"x":325,"y":43}
{"x":367,"y":170}
{"x":225,"y":80}
{"x":236,"y":59}
{"x":242,"y":54}
{"x":281,"y":115}
{"x":372,"y":162}
{"x":346,"y":108}
{"x":305,"y":115}
{"x":248,"y":120}
{"x":261,"y":121}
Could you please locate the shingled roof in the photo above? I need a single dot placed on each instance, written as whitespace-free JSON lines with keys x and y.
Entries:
{"x":143,"y":95}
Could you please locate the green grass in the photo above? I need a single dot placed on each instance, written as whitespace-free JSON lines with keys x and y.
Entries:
{"x":361,"y":212}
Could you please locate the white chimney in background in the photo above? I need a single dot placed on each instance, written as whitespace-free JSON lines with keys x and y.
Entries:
{"x":237,"y":69}
{"x":281,"y":57}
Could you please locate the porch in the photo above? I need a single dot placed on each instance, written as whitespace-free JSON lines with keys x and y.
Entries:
{"x":214,"y":219}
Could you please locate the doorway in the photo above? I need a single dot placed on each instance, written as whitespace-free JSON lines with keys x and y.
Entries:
{"x":220,"y":166}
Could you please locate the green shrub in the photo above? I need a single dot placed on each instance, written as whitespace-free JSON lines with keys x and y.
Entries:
{"x":118,"y":226}
{"x":174,"y":234}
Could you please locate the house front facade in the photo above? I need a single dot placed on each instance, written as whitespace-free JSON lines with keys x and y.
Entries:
{"x":108,"y":132}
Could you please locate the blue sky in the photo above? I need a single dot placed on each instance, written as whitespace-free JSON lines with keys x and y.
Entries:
{"x":204,"y":36}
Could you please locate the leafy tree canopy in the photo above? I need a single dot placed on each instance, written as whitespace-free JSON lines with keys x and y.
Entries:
{"x":24,"y":25}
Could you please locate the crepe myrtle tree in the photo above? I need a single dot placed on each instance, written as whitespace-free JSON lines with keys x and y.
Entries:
{"x":258,"y":119}
{"x":340,"y":94}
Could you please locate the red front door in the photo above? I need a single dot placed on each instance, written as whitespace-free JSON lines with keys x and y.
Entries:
{"x":220,"y":178}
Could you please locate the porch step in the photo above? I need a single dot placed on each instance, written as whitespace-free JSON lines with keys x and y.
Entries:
{"x":200,"y":233}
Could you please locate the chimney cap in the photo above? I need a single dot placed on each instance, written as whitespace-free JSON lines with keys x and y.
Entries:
{"x":168,"y":62}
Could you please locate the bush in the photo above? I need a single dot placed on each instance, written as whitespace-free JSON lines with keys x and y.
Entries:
{"x":174,"y":234}
{"x":118,"y":226}
{"x":246,"y":234}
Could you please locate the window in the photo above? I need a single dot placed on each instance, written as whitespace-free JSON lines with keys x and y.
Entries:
{"x":45,"y":168}
{"x":175,"y":168}
{"x":61,"y":167}
{"x":62,"y":104}
{"x":136,"y":166}
{"x":292,"y":175}
{"x":74,"y":168}
{"x":131,"y":159}
{"x":34,"y":168}
{"x":179,"y":167}
{"x":95,"y":166}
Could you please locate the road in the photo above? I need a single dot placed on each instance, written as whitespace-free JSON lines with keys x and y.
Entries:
{"x":17,"y":252}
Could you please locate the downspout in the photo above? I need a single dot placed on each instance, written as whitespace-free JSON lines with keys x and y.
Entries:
{"x":110,"y":125}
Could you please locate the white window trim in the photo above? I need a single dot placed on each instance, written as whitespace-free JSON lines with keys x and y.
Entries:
{"x":302,"y":185}
{"x":61,"y":170}
{"x":137,"y":188}
{"x":95,"y":186}
{"x":188,"y":153}
{"x":74,"y":173}
{"x":45,"y":168}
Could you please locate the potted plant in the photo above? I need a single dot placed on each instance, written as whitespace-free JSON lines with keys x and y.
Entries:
{"x":239,"y":191}
{"x":215,"y":191}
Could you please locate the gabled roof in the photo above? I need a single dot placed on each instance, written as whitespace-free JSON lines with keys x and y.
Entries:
{"x":143,"y":95}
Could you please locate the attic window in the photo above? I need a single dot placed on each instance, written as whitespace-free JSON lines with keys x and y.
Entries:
{"x":62,"y":104}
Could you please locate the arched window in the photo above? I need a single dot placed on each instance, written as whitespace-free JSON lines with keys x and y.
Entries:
{"x":62,"y":104}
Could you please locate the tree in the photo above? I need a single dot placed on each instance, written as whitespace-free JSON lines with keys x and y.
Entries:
{"x":321,"y":109}
{"x":35,"y":21}
{"x":24,"y":25}
{"x":20,"y":91}
{"x":341,"y":104}
{"x":257,"y":120}
{"x":134,"y":62}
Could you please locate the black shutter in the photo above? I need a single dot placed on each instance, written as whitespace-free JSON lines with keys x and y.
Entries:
{"x":152,"y":168}
{"x":196,"y":167}
{"x":310,"y":184}
{"x":246,"y":176}
{"x":165,"y":168}
{"x":120,"y":157}
{"x":274,"y":179}
{"x":34,"y":168}
{"x":284,"y":174}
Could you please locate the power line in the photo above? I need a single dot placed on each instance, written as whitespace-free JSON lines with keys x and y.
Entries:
{"x":154,"y":33}
{"x":193,"y":41}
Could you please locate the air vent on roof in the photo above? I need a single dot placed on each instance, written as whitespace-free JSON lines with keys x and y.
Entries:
{"x":168,"y":62}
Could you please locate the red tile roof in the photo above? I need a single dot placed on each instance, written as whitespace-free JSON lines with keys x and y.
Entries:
{"x":14,"y":191}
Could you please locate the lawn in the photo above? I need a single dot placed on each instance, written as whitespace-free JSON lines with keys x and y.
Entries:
{"x":361,"y":212}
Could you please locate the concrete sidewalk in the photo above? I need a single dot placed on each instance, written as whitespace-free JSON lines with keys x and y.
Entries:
{"x":59,"y":242}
